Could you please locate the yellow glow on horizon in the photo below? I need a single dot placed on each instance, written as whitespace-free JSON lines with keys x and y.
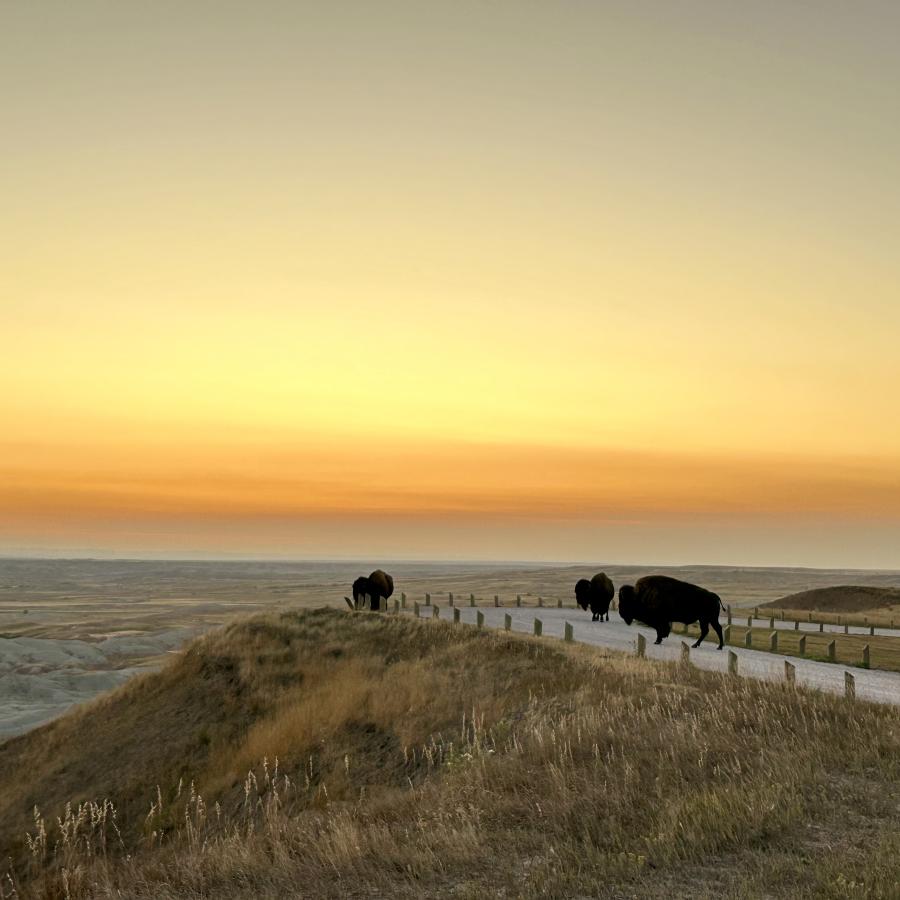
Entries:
{"x":421,"y":265}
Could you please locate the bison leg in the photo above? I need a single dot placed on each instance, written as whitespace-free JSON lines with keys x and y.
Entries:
{"x":704,"y":631}
{"x":349,"y":603}
{"x":376,"y":602}
{"x":717,"y":628}
{"x":594,"y":617}
{"x":661,"y":632}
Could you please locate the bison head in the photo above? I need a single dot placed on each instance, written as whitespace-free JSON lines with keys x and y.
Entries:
{"x":627,"y":603}
{"x":583,"y":593}
{"x":361,"y":589}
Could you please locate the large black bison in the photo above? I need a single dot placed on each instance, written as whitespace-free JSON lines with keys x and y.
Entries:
{"x":596,"y":594}
{"x":658,"y":601}
{"x":379,"y":585}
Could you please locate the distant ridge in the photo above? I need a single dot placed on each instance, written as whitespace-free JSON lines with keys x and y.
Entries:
{"x":843,"y":598}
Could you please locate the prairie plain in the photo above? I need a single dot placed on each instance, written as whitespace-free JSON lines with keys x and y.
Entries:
{"x":73,"y":629}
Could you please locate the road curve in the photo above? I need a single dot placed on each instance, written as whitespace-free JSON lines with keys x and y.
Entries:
{"x":874,"y":685}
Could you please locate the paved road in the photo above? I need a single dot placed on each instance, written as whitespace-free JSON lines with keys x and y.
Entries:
{"x":874,"y":685}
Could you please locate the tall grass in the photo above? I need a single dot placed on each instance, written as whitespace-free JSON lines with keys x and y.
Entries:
{"x":559,"y":773}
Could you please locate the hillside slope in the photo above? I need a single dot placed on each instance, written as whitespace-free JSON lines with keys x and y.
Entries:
{"x":842,"y":598}
{"x":419,"y":759}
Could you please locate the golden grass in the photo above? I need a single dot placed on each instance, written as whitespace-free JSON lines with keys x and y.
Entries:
{"x":884,"y":651}
{"x":880,"y":618}
{"x":422,"y":759}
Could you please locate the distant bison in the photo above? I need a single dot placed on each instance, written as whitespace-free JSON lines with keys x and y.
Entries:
{"x":658,"y":601}
{"x":379,"y":585}
{"x":596,"y":594}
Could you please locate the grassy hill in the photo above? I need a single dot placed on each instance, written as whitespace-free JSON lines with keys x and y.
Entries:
{"x":422,"y":759}
{"x":844,"y":598}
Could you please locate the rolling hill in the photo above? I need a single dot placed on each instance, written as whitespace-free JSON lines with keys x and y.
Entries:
{"x":842,"y":598}
{"x":327,"y":754}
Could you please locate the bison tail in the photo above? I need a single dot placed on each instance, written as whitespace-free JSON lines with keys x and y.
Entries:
{"x":350,"y":603}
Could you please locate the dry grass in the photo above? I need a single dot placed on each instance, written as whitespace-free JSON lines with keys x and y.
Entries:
{"x":884,"y":651}
{"x":421,"y":759}
{"x":888,"y":617}
{"x":847,"y":598}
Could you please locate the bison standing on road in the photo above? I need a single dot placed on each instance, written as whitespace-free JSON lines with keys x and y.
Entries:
{"x":377,"y":586}
{"x":658,"y":601}
{"x":596,"y":594}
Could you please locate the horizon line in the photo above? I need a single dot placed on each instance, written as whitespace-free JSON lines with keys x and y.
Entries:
{"x":4,"y":557}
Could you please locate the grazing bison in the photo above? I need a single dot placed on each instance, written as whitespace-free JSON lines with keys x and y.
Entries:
{"x":379,"y":585}
{"x":596,"y":594}
{"x":658,"y":601}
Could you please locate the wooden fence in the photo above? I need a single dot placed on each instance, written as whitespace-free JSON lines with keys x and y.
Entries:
{"x":790,"y":670}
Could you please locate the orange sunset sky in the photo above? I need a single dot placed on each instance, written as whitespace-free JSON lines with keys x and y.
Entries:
{"x":474,"y":280}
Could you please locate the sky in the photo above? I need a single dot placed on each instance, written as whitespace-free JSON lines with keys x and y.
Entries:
{"x":584,"y":281}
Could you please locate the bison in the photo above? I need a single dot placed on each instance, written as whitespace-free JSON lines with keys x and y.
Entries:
{"x":596,"y":594}
{"x":379,"y":585}
{"x":658,"y":601}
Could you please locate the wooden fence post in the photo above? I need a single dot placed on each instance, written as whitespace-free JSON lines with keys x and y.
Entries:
{"x":773,"y":642}
{"x":540,"y":601}
{"x":748,"y":638}
{"x":435,"y":611}
{"x":726,"y":634}
{"x":456,"y":615}
{"x":865,"y":656}
{"x":518,"y":599}
{"x":402,"y":600}
{"x":471,"y":599}
{"x":479,"y":619}
{"x":732,"y":662}
{"x":538,"y":627}
{"x":796,"y":625}
{"x":559,"y":603}
{"x":831,"y":651}
{"x":685,"y":653}
{"x":507,"y":622}
{"x":416,"y":608}
{"x":396,"y":605}
{"x":729,"y":615}
{"x":801,"y":645}
{"x":849,"y":686}
{"x":871,"y":631}
{"x":450,"y":598}
{"x":641,"y":645}
{"x":569,"y":632}
{"x":428,"y":599}
{"x":790,"y":672}
{"x":749,"y":621}
{"x":821,"y":627}
{"x":496,"y":599}
{"x":846,"y":629}
{"x":809,"y":617}
{"x":771,"y":622}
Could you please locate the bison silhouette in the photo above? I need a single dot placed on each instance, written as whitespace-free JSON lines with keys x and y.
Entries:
{"x":377,"y":587}
{"x":658,"y":601}
{"x":596,"y":594}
